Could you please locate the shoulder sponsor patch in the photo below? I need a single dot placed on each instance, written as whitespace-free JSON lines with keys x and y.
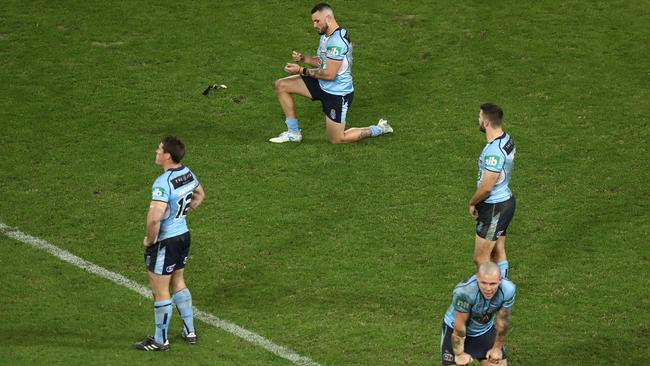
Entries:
{"x":182,"y":180}
{"x":509,"y":146}
{"x":158,"y":192}
{"x":492,"y":160}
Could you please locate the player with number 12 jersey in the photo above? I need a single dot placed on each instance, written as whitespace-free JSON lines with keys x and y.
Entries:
{"x":175,"y":187}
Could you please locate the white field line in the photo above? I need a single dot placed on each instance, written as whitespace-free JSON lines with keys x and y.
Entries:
{"x":207,"y":318}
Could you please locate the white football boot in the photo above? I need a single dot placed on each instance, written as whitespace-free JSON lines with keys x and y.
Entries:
{"x":384,"y":126}
{"x":287,"y":136}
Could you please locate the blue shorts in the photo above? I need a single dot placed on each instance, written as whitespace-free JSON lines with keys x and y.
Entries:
{"x":335,"y":107}
{"x":168,"y":255}
{"x":477,"y":347}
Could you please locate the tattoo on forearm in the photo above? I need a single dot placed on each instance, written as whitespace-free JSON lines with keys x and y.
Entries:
{"x":316,"y":73}
{"x":458,"y":341}
{"x":504,"y":321}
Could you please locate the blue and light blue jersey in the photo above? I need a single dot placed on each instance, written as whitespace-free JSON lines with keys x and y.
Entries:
{"x":467,"y":298}
{"x":174,"y":187}
{"x":498,"y":156}
{"x":337,"y":47}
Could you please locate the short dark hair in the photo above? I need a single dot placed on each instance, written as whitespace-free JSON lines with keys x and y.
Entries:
{"x":175,"y":147}
{"x":320,"y":7}
{"x":493,"y":112}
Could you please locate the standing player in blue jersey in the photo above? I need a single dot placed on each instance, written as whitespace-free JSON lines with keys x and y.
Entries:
{"x":478,"y":319}
{"x":493,"y":204}
{"x":174,"y":194}
{"x":329,"y":80}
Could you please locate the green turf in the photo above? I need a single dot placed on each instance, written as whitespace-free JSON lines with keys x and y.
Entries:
{"x":345,"y":254}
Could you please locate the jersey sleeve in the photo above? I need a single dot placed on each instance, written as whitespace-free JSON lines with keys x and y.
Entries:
{"x":160,"y":190}
{"x":336,"y":47}
{"x":460,"y":302}
{"x":509,"y":295}
{"x":494,"y":159}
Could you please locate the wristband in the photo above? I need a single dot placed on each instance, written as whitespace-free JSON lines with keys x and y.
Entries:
{"x":304,"y":71}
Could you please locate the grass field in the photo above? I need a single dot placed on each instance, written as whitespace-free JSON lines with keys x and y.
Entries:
{"x":344,"y":254}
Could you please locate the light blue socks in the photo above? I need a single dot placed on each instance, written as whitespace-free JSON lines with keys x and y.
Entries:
{"x":292,"y":124}
{"x":183,"y":301}
{"x":503,"y":265}
{"x":162,"y":316}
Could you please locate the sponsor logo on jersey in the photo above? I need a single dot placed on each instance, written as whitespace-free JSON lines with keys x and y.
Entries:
{"x":333,"y":50}
{"x":158,"y":192}
{"x":182,"y":180}
{"x":492,"y":160}
{"x":462,"y":304}
{"x":170,"y":268}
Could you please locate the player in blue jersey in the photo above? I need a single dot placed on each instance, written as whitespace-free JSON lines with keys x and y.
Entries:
{"x":493,"y":204}
{"x":476,"y":322}
{"x":174,"y":194}
{"x":329,"y":80}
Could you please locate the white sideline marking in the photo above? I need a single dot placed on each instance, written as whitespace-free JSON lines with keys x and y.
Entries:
{"x":208,"y":318}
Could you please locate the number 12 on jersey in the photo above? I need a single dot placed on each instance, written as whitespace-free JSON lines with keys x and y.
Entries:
{"x":183,"y":206}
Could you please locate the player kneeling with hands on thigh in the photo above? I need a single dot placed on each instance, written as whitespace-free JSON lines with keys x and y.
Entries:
{"x":476,"y":323}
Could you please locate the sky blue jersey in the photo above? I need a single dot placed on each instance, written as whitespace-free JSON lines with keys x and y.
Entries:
{"x":467,"y":298}
{"x":498,"y":156}
{"x":175,"y":187}
{"x":337,"y":47}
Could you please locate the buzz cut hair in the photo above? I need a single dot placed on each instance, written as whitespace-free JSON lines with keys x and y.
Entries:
{"x":493,"y":112}
{"x":489,"y":269}
{"x":175,"y":147}
{"x":322,"y":7}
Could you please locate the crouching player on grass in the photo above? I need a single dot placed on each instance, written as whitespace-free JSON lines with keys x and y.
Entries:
{"x":174,"y":194}
{"x":478,"y":319}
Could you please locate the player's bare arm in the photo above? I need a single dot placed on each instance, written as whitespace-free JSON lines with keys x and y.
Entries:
{"x":458,"y":339}
{"x":483,"y":191}
{"x":308,"y":60}
{"x":328,"y":73}
{"x":197,"y":198}
{"x":155,"y":215}
{"x":502,"y":325}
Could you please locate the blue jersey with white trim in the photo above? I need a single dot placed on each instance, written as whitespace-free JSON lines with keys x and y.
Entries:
{"x":337,"y":47}
{"x":174,"y":187}
{"x":467,"y":298}
{"x":498,"y":156}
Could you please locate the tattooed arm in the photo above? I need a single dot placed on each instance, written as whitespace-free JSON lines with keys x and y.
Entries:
{"x":458,"y":339}
{"x":502,"y":325}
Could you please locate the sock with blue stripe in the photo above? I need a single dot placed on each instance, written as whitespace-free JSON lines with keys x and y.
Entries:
{"x":162,"y":315}
{"x":183,"y":301}
{"x":292,"y":124}
{"x":374,"y":130}
{"x":503,"y":265}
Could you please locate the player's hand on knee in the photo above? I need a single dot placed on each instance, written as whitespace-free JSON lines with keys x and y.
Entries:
{"x":463,"y":359}
{"x":494,"y":355}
